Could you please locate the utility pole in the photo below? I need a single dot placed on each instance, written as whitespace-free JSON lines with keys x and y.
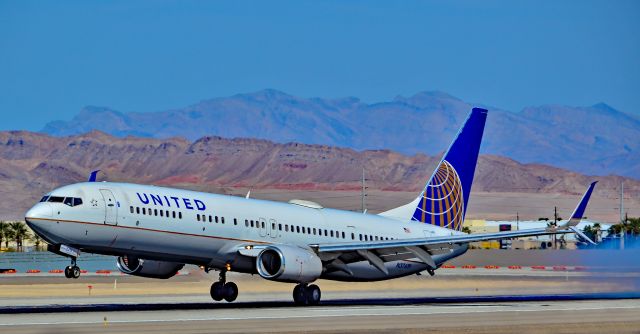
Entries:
{"x":621,"y":201}
{"x":364,"y":194}
{"x":555,"y":224}
{"x":622,"y":220}
{"x":517,"y":221}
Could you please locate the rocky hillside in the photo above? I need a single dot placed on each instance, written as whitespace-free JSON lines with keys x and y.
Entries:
{"x":33,"y":163}
{"x":596,"y":140}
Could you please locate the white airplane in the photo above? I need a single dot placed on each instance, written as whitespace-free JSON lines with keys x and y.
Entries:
{"x":155,"y":231}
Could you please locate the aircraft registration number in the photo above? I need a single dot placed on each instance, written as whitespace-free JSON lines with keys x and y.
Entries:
{"x":403,"y":265}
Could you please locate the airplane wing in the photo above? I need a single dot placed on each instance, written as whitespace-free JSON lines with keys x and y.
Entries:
{"x":337,"y":255}
{"x":377,"y":252}
{"x":434,"y":241}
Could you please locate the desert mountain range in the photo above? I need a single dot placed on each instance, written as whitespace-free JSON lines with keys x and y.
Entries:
{"x":34,"y":163}
{"x":596,"y":140}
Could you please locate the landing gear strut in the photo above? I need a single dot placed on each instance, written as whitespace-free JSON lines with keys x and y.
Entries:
{"x":304,"y":294}
{"x":72,"y":271}
{"x":224,"y":290}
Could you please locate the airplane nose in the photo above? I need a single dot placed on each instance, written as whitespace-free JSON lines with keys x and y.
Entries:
{"x":40,"y":210}
{"x":35,"y":220}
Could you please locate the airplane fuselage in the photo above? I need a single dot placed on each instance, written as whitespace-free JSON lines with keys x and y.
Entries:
{"x":213,"y":230}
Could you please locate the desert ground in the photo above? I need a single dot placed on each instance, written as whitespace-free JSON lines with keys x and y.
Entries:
{"x":483,"y":205}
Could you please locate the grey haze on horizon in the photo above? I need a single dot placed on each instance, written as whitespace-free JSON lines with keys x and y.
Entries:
{"x":596,"y":140}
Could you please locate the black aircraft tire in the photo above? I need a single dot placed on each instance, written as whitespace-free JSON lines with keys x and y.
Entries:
{"x":230,"y":291}
{"x":313,"y":294}
{"x":299,"y":295}
{"x":75,"y":272}
{"x":217,"y":289}
{"x":67,"y":272}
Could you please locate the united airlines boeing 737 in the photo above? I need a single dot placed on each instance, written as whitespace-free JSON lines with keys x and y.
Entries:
{"x":155,"y":231}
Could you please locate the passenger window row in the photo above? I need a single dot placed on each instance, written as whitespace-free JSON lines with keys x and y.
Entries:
{"x":155,"y":212}
{"x":203,"y":218}
{"x":258,"y":224}
{"x":364,"y":237}
{"x":312,"y":231}
{"x":70,"y":201}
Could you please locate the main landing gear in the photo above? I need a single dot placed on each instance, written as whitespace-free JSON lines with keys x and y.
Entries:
{"x":72,"y":271}
{"x":224,"y":290}
{"x":304,"y":294}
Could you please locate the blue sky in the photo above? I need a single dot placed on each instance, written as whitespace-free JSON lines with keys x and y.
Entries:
{"x":58,"y":56}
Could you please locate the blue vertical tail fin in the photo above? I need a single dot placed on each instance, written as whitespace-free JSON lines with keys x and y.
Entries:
{"x":578,"y":212}
{"x":443,"y":202}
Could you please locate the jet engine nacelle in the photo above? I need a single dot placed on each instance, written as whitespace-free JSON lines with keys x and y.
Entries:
{"x":133,"y":265}
{"x":288,"y":264}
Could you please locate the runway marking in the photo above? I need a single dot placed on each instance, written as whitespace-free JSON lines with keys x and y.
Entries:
{"x":341,"y":315}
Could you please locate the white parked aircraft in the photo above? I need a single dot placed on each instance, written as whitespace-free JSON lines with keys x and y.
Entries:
{"x":155,"y":231}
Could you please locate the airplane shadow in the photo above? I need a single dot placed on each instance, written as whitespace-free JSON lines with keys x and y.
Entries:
{"x":115,"y":307}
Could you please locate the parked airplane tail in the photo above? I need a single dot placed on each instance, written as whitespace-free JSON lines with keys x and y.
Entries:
{"x":443,"y":202}
{"x":578,"y":213}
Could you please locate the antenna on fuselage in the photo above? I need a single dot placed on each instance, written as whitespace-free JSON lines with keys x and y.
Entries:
{"x":93,"y":176}
{"x":248,"y":194}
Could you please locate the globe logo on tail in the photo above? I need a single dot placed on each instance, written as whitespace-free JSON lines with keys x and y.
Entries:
{"x":442,"y":202}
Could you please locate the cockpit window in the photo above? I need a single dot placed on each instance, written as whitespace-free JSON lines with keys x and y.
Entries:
{"x":70,"y":201}
{"x":55,"y":199}
{"x":44,"y":199}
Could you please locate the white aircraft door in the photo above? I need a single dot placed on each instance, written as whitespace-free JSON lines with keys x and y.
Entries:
{"x":263,"y":227}
{"x":273,"y":228}
{"x":111,"y":208}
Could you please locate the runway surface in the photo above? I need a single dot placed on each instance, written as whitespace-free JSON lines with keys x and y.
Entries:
{"x":456,"y":300}
{"x":583,"y":316}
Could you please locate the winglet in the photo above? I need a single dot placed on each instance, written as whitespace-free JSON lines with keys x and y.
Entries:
{"x":93,"y":176}
{"x":578,"y":213}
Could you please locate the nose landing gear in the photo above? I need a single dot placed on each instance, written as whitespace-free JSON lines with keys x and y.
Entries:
{"x":224,"y":290}
{"x":72,"y":271}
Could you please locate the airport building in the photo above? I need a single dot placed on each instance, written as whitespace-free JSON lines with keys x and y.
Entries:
{"x":567,"y":241}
